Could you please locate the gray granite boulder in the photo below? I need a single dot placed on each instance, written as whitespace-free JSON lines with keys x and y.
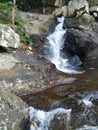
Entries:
{"x":8,"y":38}
{"x":77,"y":7}
{"x":13,"y":112}
{"x":73,"y":9}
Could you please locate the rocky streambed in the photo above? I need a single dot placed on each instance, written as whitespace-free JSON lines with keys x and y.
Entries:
{"x":22,"y":73}
{"x":27,"y":74}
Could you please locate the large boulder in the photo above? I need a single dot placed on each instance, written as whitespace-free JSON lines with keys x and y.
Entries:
{"x":8,"y":38}
{"x":13,"y":112}
{"x":61,"y":10}
{"x":77,"y":7}
{"x":81,"y":35}
{"x":73,"y":9}
{"x":79,"y":22}
{"x":81,"y":41}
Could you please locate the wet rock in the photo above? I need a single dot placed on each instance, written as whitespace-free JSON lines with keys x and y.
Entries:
{"x":79,"y":22}
{"x":60,"y":122}
{"x":53,"y":120}
{"x":72,"y":22}
{"x":94,"y":11}
{"x":64,"y":81}
{"x":91,"y":59}
{"x":37,"y":42}
{"x":8,"y":38}
{"x":13,"y":112}
{"x":80,"y":42}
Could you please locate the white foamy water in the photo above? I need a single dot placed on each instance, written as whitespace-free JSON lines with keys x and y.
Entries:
{"x":87,"y":100}
{"x":86,"y":127}
{"x":40,"y":120}
{"x":54,"y":46}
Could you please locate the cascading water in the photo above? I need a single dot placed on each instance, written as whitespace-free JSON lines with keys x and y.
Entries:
{"x":53,"y":47}
{"x":41,"y":120}
{"x":64,"y":119}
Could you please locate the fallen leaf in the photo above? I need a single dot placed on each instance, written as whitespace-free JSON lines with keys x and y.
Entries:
{"x":24,"y":46}
{"x":51,"y":82}
{"x":29,"y":52}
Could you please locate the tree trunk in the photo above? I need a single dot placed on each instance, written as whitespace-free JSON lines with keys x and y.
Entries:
{"x":13,"y":14}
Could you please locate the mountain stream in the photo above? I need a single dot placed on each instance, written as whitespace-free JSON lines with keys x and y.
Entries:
{"x":70,"y":106}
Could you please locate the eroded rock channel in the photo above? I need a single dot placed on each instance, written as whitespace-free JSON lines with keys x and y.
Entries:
{"x":27,"y":74}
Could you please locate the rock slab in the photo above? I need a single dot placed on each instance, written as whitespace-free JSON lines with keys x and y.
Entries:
{"x":13,"y":112}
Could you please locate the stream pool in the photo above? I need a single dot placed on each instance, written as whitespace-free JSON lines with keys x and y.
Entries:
{"x":81,"y":97}
{"x":68,"y":105}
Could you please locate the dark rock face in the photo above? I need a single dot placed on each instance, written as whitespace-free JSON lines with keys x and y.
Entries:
{"x":79,"y":43}
{"x":81,"y":22}
{"x":72,"y":22}
{"x":37,"y":42}
{"x":81,"y":38}
{"x":59,"y":122}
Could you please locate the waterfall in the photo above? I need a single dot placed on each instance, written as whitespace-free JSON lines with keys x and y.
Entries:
{"x":41,"y":120}
{"x":53,"y":47}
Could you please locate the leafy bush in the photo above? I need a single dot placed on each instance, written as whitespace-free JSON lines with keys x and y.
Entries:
{"x":20,"y":30}
{"x":6,"y":18}
{"x":5,"y":10}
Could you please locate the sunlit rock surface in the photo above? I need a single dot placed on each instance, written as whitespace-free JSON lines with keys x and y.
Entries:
{"x":72,"y":9}
{"x":7,"y":61}
{"x":8,"y":38}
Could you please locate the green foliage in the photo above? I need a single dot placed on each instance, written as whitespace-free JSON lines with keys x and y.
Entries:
{"x":19,"y":22}
{"x":23,"y":39}
{"x":85,"y":19}
{"x":20,"y":30}
{"x":5,"y":18}
{"x":43,"y":28}
{"x":5,"y":6}
{"x":1,"y":1}
{"x":5,"y":9}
